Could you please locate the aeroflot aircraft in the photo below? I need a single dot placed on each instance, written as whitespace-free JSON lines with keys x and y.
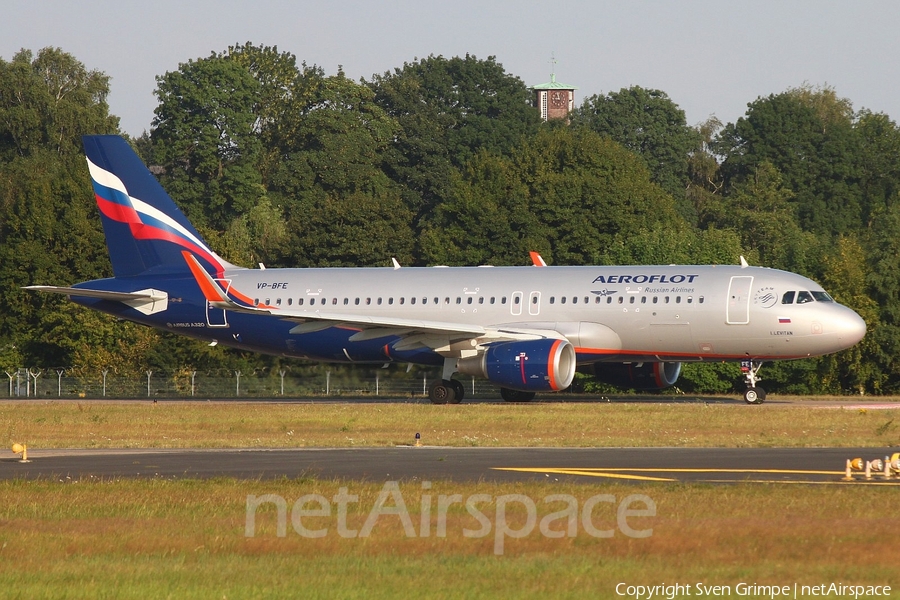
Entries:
{"x":526,"y":329}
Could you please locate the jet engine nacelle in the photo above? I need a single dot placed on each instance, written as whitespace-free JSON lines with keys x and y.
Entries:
{"x":638,"y":376}
{"x":530,"y":366}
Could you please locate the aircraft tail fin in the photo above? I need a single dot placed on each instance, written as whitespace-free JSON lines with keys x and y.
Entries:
{"x":145,"y":231}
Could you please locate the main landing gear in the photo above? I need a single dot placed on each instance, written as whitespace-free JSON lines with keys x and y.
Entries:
{"x":446,"y":391}
{"x":753,"y":394}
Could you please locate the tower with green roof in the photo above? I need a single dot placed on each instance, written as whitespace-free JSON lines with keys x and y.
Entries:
{"x":554,"y":99}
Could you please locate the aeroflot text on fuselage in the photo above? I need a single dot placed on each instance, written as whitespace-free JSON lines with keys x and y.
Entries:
{"x":645,"y":279}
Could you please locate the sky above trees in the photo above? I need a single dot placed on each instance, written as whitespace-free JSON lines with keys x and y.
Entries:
{"x":709,"y":56}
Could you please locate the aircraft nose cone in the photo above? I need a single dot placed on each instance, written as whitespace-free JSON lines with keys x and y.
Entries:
{"x":851,"y":328}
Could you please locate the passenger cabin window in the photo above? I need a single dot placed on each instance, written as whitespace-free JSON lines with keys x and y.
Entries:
{"x":788,"y":298}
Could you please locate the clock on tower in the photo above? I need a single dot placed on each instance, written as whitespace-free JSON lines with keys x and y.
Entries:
{"x":559,"y":99}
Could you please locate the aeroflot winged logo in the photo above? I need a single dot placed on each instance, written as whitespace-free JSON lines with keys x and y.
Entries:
{"x":144,"y":221}
{"x":662,"y":279}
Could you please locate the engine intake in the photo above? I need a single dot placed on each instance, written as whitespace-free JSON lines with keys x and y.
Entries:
{"x":638,"y":376}
{"x":531,"y":366}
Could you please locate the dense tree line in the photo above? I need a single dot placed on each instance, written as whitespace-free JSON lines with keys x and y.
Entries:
{"x":445,"y":161}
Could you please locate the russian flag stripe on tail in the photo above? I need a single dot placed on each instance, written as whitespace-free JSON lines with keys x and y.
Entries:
{"x":145,"y":231}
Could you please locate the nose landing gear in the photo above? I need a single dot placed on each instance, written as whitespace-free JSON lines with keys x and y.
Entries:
{"x":753,"y":394}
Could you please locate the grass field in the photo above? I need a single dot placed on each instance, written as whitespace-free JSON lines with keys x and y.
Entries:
{"x":162,"y":538}
{"x":186,"y":539}
{"x":141,"y":424}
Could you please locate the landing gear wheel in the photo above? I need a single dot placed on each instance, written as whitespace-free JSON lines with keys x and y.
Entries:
{"x":755,"y":395}
{"x":442,"y":392}
{"x":515,"y":395}
{"x":458,"y":390}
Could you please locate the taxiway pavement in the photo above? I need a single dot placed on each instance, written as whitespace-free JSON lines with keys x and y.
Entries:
{"x":595,"y":465}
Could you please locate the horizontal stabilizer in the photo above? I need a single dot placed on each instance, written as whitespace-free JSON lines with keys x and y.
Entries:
{"x":147,"y":301}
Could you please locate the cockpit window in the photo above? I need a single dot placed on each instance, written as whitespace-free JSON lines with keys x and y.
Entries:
{"x":822,"y":297}
{"x":804,"y":297}
{"x":788,"y":298}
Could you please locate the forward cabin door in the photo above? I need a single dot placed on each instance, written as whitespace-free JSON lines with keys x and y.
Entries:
{"x":738,"y":310}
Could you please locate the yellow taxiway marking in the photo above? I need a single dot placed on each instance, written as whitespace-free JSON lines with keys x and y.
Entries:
{"x":586,"y":472}
{"x":633,"y":474}
{"x":668,"y":470}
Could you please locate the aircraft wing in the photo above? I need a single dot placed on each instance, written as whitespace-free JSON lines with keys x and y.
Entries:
{"x":437,"y":335}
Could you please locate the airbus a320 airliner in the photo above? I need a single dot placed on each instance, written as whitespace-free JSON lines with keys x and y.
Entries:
{"x":526,"y":329}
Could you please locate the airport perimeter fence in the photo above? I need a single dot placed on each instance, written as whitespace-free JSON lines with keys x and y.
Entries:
{"x":357,"y":383}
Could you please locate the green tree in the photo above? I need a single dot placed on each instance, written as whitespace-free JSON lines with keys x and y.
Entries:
{"x":286,"y":92}
{"x":570,"y":194}
{"x":883,"y":279}
{"x":808,"y":135}
{"x":879,"y":140}
{"x":759,"y":209}
{"x":341,"y":208}
{"x":48,"y":220}
{"x":649,"y":124}
{"x":48,"y":102}
{"x":449,"y":110}
{"x":845,"y":275}
{"x":204,"y":138}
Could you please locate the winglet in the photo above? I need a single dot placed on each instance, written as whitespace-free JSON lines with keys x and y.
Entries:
{"x":537,"y":260}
